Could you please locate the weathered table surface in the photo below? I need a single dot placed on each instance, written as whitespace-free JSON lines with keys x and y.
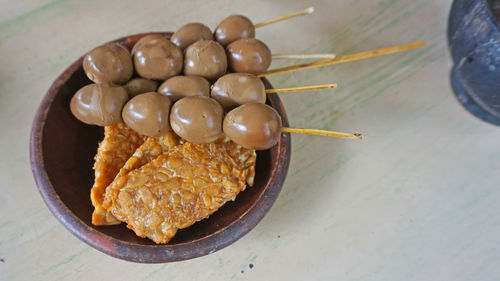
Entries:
{"x":417,"y":199}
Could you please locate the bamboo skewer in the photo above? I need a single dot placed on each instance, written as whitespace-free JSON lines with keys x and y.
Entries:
{"x":346,"y":58}
{"x":301,"y":88}
{"x":304,"y":56}
{"x":296,"y":14}
{"x":322,"y":133}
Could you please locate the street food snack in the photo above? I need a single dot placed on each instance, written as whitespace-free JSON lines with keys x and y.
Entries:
{"x":248,"y":55}
{"x":185,"y":185}
{"x":178,"y":87}
{"x":148,"y":114}
{"x":99,"y":104}
{"x":253,"y":126}
{"x":233,"y":28}
{"x":139,"y":86}
{"x":155,"y":57}
{"x":114,"y":150}
{"x":149,"y":150}
{"x":205,"y":58}
{"x":169,"y":157}
{"x":190,"y":33}
{"x":109,"y":63}
{"x":235,"y":89}
{"x":197,"y":119}
{"x":258,"y":126}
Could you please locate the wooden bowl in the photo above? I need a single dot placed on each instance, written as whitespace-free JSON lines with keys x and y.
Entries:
{"x":62,"y":151}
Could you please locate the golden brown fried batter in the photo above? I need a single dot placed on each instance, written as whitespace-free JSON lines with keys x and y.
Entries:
{"x":147,"y":152}
{"x":117,"y":146}
{"x":181,"y":187}
{"x":244,"y":158}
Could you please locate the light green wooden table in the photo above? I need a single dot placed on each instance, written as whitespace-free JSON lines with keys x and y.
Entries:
{"x":417,"y":199}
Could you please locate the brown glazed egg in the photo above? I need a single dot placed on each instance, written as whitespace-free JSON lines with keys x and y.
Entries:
{"x":205,"y":58}
{"x":110,"y":63}
{"x":248,"y":55}
{"x":235,"y":89}
{"x":178,"y":87}
{"x":233,"y":28}
{"x":197,"y":119}
{"x":99,"y":104}
{"x":190,"y":33}
{"x":253,"y":126}
{"x":148,"y":114}
{"x":138,"y":86}
{"x":155,"y":57}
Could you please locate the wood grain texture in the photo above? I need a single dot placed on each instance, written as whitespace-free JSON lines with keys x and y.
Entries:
{"x":416,"y":199}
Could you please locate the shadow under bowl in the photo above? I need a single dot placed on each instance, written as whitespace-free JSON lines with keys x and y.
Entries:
{"x":62,"y":151}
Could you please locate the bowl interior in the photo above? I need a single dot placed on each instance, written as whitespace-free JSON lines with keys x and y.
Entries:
{"x":68,"y":147}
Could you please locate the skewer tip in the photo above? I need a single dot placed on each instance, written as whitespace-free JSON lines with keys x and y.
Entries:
{"x":358,"y":135}
{"x":310,"y":10}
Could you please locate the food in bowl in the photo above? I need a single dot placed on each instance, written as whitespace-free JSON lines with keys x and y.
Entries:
{"x":155,"y":179}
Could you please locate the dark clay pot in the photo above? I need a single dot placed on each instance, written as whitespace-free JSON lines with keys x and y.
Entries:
{"x":474,"y":42}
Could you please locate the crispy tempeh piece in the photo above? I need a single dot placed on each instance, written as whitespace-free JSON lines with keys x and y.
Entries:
{"x":118,"y":145}
{"x":156,"y":146}
{"x":185,"y":185}
{"x":147,"y":152}
{"x":244,"y":158}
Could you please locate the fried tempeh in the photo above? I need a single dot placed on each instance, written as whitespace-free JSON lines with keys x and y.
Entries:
{"x":244,"y":158}
{"x":185,"y":185}
{"x":118,"y":145}
{"x":147,"y":152}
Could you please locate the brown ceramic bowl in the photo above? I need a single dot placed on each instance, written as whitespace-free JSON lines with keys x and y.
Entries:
{"x":62,"y":151}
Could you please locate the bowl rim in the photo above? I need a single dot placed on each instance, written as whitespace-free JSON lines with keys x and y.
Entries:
{"x":152,"y":253}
